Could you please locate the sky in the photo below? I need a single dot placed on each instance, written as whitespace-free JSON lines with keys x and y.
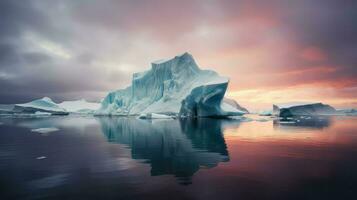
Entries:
{"x":273,"y":51}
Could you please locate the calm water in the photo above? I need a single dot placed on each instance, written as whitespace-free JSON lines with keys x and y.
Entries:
{"x":124,"y":158}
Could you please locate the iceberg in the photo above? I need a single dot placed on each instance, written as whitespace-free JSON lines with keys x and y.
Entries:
{"x":44,"y":105}
{"x":154,"y":116}
{"x":45,"y":130}
{"x":79,"y":106}
{"x":235,"y":104}
{"x":302,"y":109}
{"x":206,"y":100}
{"x":170,"y":87}
{"x":266,"y":113}
{"x":348,"y":112}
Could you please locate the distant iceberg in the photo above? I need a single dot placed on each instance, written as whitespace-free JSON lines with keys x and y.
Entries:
{"x":79,"y":106}
{"x":44,"y":105}
{"x":154,"y":116}
{"x":302,"y":109}
{"x":234,"y":103}
{"x":348,"y":112}
{"x":167,"y":86}
{"x":266,"y":113}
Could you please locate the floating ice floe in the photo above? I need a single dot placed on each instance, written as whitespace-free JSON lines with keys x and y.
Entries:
{"x":266,"y":113}
{"x":45,"y":130}
{"x":154,"y":116}
{"x":262,"y":120}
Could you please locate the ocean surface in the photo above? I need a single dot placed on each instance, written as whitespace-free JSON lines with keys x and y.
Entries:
{"x":77,"y":157}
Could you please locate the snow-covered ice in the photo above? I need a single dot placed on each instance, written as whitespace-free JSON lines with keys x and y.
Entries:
{"x":79,"y":106}
{"x":40,"y":105}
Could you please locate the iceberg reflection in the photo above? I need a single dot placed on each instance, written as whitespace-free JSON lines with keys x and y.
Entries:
{"x":311,"y":122}
{"x":177,"y":147}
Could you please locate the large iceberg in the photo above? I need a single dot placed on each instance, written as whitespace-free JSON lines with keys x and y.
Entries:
{"x":168,"y":85}
{"x":44,"y":105}
{"x":302,"y":109}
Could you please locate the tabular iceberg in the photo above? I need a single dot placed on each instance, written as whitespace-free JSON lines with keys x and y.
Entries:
{"x":301,"y":109}
{"x":167,"y":86}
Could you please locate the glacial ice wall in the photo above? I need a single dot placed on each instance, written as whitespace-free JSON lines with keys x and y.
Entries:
{"x":163,"y":88}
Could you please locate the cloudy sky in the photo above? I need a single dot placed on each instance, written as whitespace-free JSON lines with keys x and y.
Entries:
{"x":273,"y":51}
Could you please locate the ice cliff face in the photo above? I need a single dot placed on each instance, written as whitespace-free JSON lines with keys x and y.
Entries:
{"x":206,"y":101}
{"x":163,"y":88}
{"x":302,"y":109}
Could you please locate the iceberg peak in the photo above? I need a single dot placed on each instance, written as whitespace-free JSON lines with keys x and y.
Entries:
{"x":181,"y":62}
{"x":48,"y":99}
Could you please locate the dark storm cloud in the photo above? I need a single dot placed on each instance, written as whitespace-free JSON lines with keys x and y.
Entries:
{"x":329,"y":25}
{"x":73,"y":49}
{"x":27,"y":72}
{"x":17,"y":16}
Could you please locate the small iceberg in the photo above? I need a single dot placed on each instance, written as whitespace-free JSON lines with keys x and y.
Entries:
{"x":262,"y":120}
{"x":266,"y":113}
{"x":45,"y":130}
{"x":302,"y":109}
{"x":39,"y":106}
{"x":154,"y":116}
